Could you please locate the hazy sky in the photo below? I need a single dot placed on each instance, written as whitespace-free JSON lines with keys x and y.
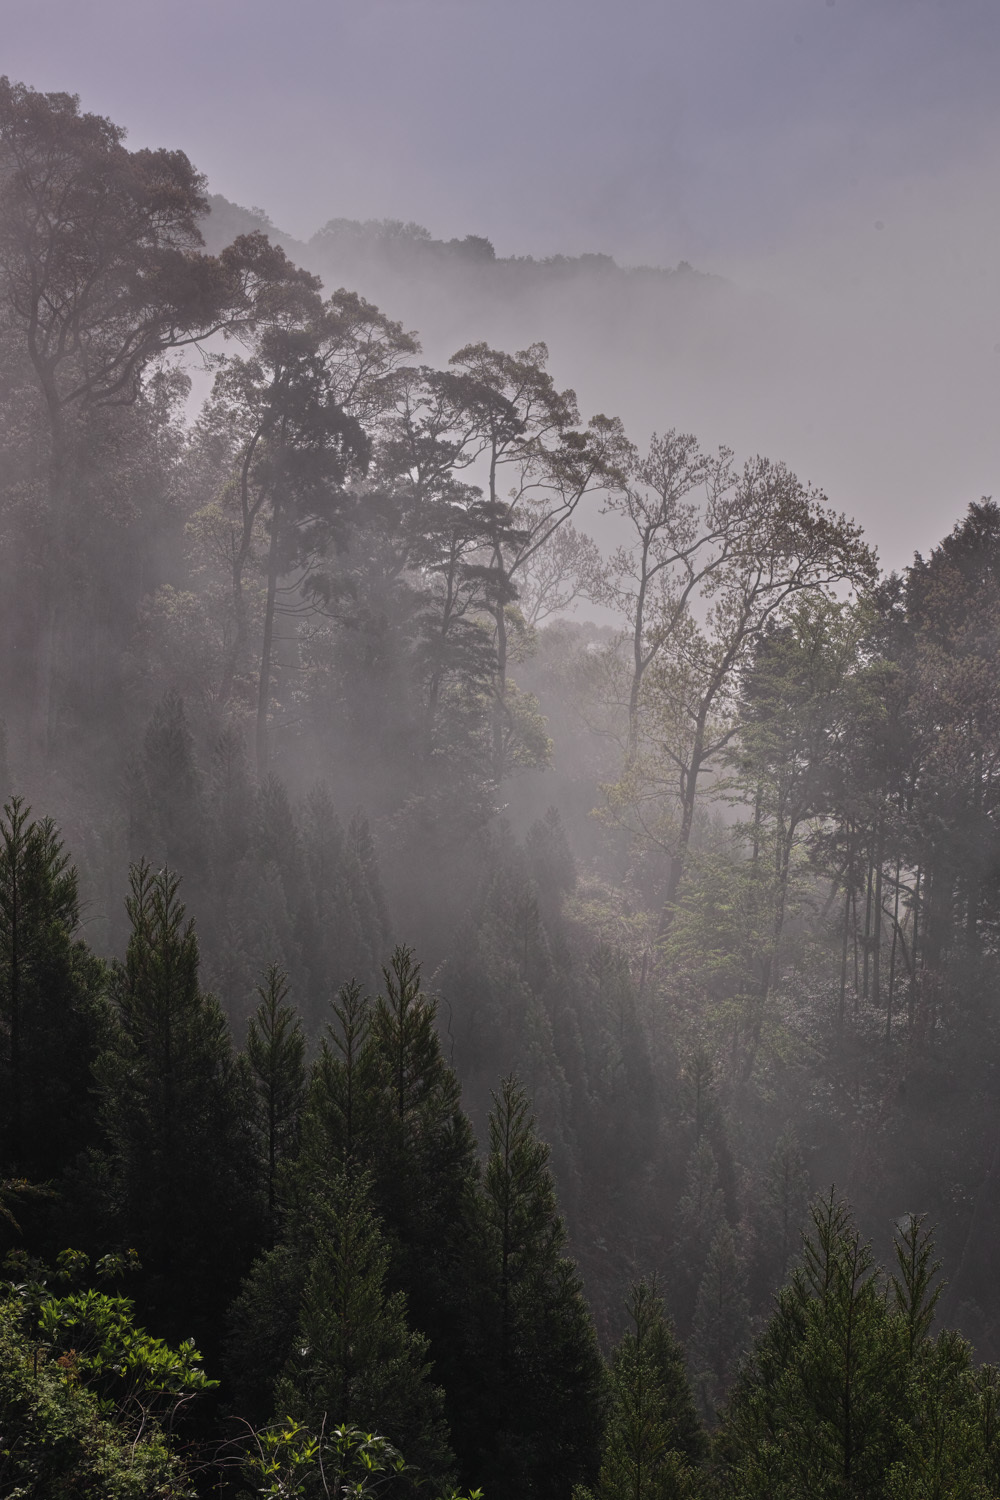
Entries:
{"x":642,"y":127}
{"x":839,"y":155}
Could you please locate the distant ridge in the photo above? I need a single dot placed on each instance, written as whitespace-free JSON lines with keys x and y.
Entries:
{"x":346,"y":247}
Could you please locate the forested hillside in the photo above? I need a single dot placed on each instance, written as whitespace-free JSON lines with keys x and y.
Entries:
{"x":445,"y":962}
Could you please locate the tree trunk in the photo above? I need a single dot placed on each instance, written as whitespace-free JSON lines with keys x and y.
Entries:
{"x":877,"y":921}
{"x":264,"y":682}
{"x":843,"y":954}
{"x":892,"y":959}
{"x":770,"y":972}
{"x":689,"y":796}
{"x":56,"y":582}
{"x":248,"y":515}
{"x":500,"y":683}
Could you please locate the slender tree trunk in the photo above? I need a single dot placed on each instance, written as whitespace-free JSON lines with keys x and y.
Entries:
{"x":975,"y":879}
{"x":437,"y":676}
{"x":892,"y":959}
{"x":877,"y":922}
{"x":854,"y":935}
{"x":241,"y":554}
{"x":911,"y":999}
{"x":866,"y":948}
{"x":843,"y":955}
{"x":500,"y":683}
{"x":689,"y":797}
{"x":55,"y":580}
{"x":770,"y":972}
{"x":638,"y":657}
{"x":264,"y":682}
{"x":757,"y":801}
{"x":56,"y":586}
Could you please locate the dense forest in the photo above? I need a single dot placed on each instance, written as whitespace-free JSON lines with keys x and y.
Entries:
{"x":480,"y":1009}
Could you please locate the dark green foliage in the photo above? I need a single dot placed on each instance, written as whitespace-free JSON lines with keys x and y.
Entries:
{"x":545,"y":1381}
{"x":653,"y":1441}
{"x":167,"y":1083}
{"x":338,"y":1126}
{"x":343,"y":1097}
{"x":816,"y":1408}
{"x":276,"y":1056}
{"x":261,"y":1323}
{"x":383,"y":1100}
{"x":355,"y":1360}
{"x":848,"y":1394}
{"x":51,"y":1015}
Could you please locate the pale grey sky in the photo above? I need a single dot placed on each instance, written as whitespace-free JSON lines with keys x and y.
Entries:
{"x":649,"y":128}
{"x":838,"y":158}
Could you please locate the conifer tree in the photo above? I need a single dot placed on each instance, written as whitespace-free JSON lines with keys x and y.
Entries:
{"x":261,"y":1322}
{"x":383,"y":1105}
{"x":51,"y":1015}
{"x":355,"y":1360}
{"x":546,"y":1381}
{"x":721,"y":1326}
{"x":276,"y":1053}
{"x":820,"y":1406}
{"x":653,"y":1439}
{"x":670,"y":1366}
{"x":343,"y":1114}
{"x":422,"y":1156}
{"x":848,"y":1395}
{"x":339,"y":1126}
{"x":168,"y":1084}
{"x":383,"y":1098}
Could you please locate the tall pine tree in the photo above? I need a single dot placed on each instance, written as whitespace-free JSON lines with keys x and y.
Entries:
{"x":355,"y":1361}
{"x":653,"y":1441}
{"x":276,"y":1055}
{"x":51,"y":1012}
{"x":176,"y":1164}
{"x":545,"y":1380}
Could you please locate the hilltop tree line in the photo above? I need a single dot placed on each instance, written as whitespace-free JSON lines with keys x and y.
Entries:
{"x":708,"y":891}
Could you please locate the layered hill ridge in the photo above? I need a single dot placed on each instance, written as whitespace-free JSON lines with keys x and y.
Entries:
{"x":355,"y":245}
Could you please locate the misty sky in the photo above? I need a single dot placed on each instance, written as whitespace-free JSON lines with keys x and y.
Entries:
{"x":838,"y":155}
